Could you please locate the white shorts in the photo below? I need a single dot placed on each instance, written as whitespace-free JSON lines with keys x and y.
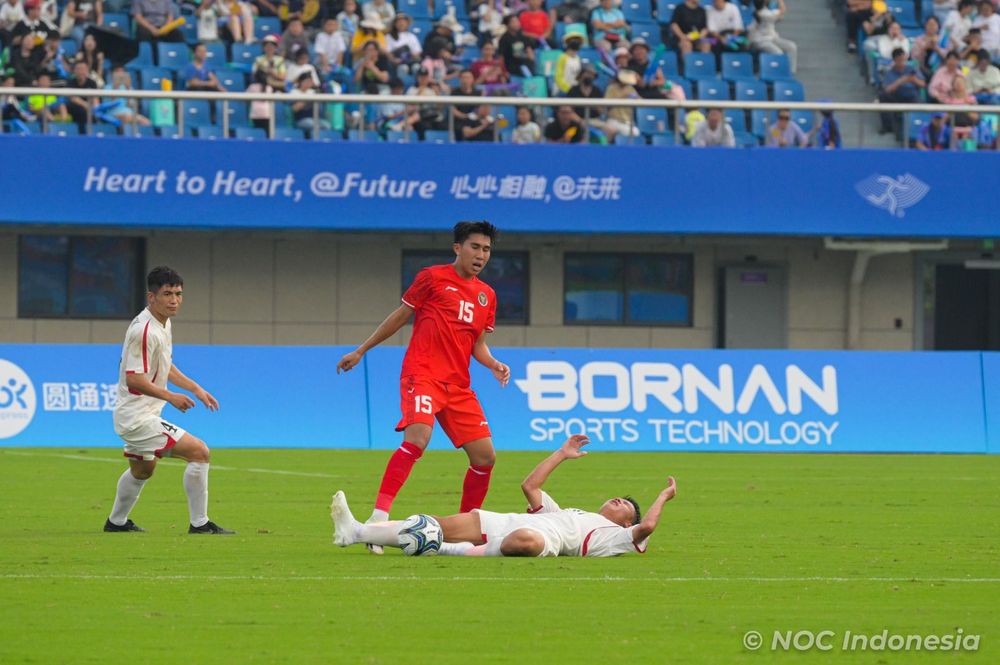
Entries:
{"x":497,"y":526}
{"x":153,"y":438}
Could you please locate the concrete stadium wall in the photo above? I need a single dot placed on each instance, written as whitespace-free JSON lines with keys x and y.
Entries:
{"x":334,"y":288}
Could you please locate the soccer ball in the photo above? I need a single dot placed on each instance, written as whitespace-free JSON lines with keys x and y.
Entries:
{"x":420,"y":535}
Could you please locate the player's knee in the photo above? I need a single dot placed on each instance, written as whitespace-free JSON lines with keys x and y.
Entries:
{"x":486,"y":458}
{"x":200,"y":452}
{"x":142,"y":474}
{"x":523,"y":542}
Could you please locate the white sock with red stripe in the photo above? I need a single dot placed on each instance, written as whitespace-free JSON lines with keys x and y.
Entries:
{"x":196,"y":486}
{"x":129,"y":488}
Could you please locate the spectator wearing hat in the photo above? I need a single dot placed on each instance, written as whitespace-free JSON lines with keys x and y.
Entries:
{"x":984,"y":80}
{"x":155,"y":21}
{"x":725,"y":26}
{"x":527,"y":130}
{"x":425,"y":117}
{"x":32,"y":24}
{"x":764,"y":35}
{"x":621,"y":119}
{"x":651,"y":80}
{"x":371,"y":29}
{"x":828,"y":134}
{"x":380,"y":9}
{"x":687,"y":31}
{"x":490,"y":69}
{"x":901,"y":84}
{"x":786,"y":134}
{"x":935,"y":135}
{"x":988,"y":22}
{"x":271,"y":64}
{"x":585,"y":88}
{"x":330,"y":47}
{"x":371,"y":70}
{"x":609,"y":26}
{"x":536,"y":22}
{"x":402,"y":46}
{"x":565,"y":128}
{"x":569,"y":64}
{"x":943,"y":79}
{"x":517,"y":52}
{"x":713,"y":131}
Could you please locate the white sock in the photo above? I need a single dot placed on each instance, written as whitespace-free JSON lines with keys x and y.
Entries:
{"x":378,"y":516}
{"x":380,"y":533}
{"x":129,"y":488}
{"x":492,"y":548}
{"x":196,"y":486}
{"x":457,"y":549}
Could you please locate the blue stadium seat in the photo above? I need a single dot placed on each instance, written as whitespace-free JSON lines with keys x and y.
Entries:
{"x":190,"y":32}
{"x":437,"y":136}
{"x":699,"y":66}
{"x":329,"y":135}
{"x":737,"y":119}
{"x":745,"y":140}
{"x":789,"y":91}
{"x":804,"y":119}
{"x":145,"y":56}
{"x":61,"y":129}
{"x":665,"y":139}
{"x":904,"y":11}
{"x":401,"y":137}
{"x":684,"y":85}
{"x":368,"y":136}
{"x":70,"y":48}
{"x":267,"y":25}
{"x":759,"y":122}
{"x":197,"y":112}
{"x":139,"y":131}
{"x":750,"y":91}
{"x":152,"y":77}
{"x":737,"y":66}
{"x":244,"y":55}
{"x":637,"y":10}
{"x":625,"y":139}
{"x":713,"y":90}
{"x":208,"y":132}
{"x":648,"y":30}
{"x":415,"y":8}
{"x":103,"y":130}
{"x":746,"y":13}
{"x":668,"y":63}
{"x":250,"y":133}
{"x":216,"y":55}
{"x":238,"y":114}
{"x":231,"y":79}
{"x":421,"y":28}
{"x":445,"y":6}
{"x":774,"y":67}
{"x":172,"y":56}
{"x":283,"y":114}
{"x":665,"y":10}
{"x":119,"y":22}
{"x":651,"y":121}
{"x":288,"y":134}
{"x":170,"y":133}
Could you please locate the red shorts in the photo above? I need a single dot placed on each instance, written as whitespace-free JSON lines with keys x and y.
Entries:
{"x":457,"y":409}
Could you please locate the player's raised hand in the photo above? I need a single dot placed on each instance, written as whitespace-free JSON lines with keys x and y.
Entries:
{"x":348,"y":362}
{"x":180,"y":401}
{"x":502,"y":373}
{"x":206,"y":398}
{"x":571,"y":448}
{"x":670,"y":491}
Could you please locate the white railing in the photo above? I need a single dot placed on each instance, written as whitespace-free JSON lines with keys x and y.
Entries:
{"x":224,"y":99}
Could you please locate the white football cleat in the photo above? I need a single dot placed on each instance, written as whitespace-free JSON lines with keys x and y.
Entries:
{"x":375,"y":549}
{"x":343,"y":521}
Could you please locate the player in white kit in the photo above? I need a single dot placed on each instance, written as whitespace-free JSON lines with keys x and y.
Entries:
{"x":545,"y":530}
{"x":146,"y":368}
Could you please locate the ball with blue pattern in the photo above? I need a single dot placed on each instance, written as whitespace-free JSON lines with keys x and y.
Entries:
{"x":420,"y":535}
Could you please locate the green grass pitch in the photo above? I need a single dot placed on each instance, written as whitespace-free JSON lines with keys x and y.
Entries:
{"x":860,"y":543}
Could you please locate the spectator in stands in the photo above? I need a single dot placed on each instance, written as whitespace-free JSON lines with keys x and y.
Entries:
{"x":608,"y":25}
{"x":688,"y":28}
{"x":585,"y":88}
{"x":272,"y":64}
{"x":466,"y":88}
{"x":959,"y":93}
{"x":240,"y":21}
{"x":208,"y":13}
{"x":261,"y":112}
{"x":10,"y":106}
{"x":725,"y":26}
{"x":959,"y":22}
{"x":828,"y":134}
{"x":199,"y":75}
{"x":651,"y":79}
{"x":786,"y":134}
{"x":32,"y":24}
{"x":47,"y":107}
{"x":935,"y":135}
{"x":877,"y":24}
{"x":884,"y":45}
{"x":901,"y":84}
{"x":371,"y":71}
{"x":293,"y":39}
{"x":973,"y":44}
{"x":155,"y":21}
{"x":988,"y":22}
{"x":565,"y":128}
{"x":856,"y":14}
{"x":944,"y":77}
{"x":536,"y":22}
{"x":403,"y":47}
{"x":942,"y":8}
{"x":490,"y":69}
{"x":54,"y":60}
{"x":931,"y":47}
{"x":984,"y":80}
{"x":478,"y":125}
{"x":517,"y":52}
{"x":348,"y":20}
{"x":426,"y":117}
{"x":265,"y":7}
{"x":300,"y":65}
{"x":80,"y":108}
{"x":371,"y":29}
{"x":26,"y":61}
{"x":442,"y":38}
{"x":713,"y":131}
{"x":490,"y":15}
{"x":83,"y":14}
{"x":11,"y":13}
{"x":380,"y":9}
{"x":304,"y":113}
{"x":330,"y":48}
{"x":527,"y":130}
{"x":569,"y":63}
{"x":392,"y":116}
{"x":621,"y":120}
{"x":123,"y":110}
{"x":764,"y":35}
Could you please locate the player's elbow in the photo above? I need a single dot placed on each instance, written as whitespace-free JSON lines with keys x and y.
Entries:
{"x":132,"y":381}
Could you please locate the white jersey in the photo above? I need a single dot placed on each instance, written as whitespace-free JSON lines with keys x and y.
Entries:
{"x":148,"y":350}
{"x":567,"y":531}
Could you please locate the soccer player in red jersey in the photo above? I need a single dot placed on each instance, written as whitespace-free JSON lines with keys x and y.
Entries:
{"x":453,"y":311}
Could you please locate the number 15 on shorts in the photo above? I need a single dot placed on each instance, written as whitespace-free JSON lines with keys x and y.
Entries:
{"x":422,"y":404}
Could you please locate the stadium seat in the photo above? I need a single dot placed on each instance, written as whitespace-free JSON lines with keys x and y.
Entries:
{"x":804,"y":119}
{"x":759,"y":122}
{"x":625,"y":139}
{"x":152,"y":78}
{"x":745,"y":140}
{"x":737,"y":66}
{"x":774,"y":67}
{"x":421,"y":28}
{"x":665,"y":10}
{"x":208,"y":132}
{"x":713,"y":90}
{"x":172,"y":56}
{"x":190,"y":32}
{"x":145,"y":56}
{"x":139,"y":131}
{"x":70,"y":48}
{"x":918,"y":120}
{"x":649,"y":31}
{"x":668,"y":63}
{"x":103,"y":130}
{"x":216,"y":56}
{"x":684,"y":85}
{"x":437,"y":136}
{"x":789,"y":91}
{"x":737,"y":119}
{"x":231,"y":79}
{"x":119,"y":22}
{"x":283,"y":114}
{"x":905,"y":12}
{"x":170,"y":133}
{"x":61,"y":129}
{"x":750,"y":91}
{"x":288,"y":134}
{"x":637,"y":10}
{"x":237,"y":112}
{"x":196,"y":112}
{"x":328,"y":135}
{"x":651,"y":121}
{"x":699,"y":66}
{"x":244,"y":55}
{"x":250,"y":133}
{"x":401,"y":137}
{"x":267,"y":25}
{"x":665,"y":139}
{"x":415,"y":8}
{"x":746,"y":13}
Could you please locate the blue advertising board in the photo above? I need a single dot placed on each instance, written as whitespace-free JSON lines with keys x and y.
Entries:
{"x":62,"y":395}
{"x":551,"y":188}
{"x":648,"y":400}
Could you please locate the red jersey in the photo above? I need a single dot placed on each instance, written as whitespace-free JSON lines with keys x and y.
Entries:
{"x":451,"y":314}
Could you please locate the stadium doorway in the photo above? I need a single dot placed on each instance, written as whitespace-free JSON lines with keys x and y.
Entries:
{"x":753,"y":312}
{"x":962,"y":305}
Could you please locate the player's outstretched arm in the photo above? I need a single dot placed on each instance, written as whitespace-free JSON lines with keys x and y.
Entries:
{"x":385,"y":330}
{"x":651,"y":519}
{"x":182,"y":381}
{"x":481,"y":352}
{"x":532,"y":485}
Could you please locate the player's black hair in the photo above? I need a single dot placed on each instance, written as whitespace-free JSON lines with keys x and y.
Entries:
{"x":465,"y":229}
{"x":635,"y":504}
{"x":161,"y":276}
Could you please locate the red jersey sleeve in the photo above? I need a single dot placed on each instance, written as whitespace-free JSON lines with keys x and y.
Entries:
{"x":418,"y":292}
